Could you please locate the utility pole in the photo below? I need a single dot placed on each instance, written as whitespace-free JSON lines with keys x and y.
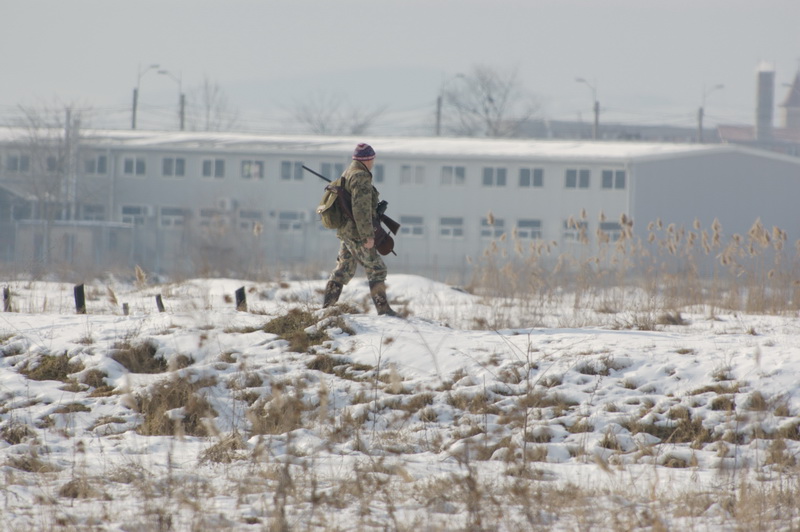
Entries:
{"x":700,"y":125}
{"x":596,"y":108}
{"x":439,"y":115}
{"x":701,"y":111}
{"x":183,"y":111}
{"x":136,"y":93}
{"x":181,"y":97}
{"x":133,"y":107}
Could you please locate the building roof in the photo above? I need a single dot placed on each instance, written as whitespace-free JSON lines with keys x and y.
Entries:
{"x":446,"y":148}
{"x":748,"y":134}
{"x":450,"y":147}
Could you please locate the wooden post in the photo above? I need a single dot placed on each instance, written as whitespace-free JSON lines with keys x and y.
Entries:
{"x":6,"y":299}
{"x":125,"y":309}
{"x":159,"y":303}
{"x":80,"y":299}
{"x":241,"y":300}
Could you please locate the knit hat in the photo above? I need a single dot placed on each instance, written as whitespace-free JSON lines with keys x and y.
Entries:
{"x":363,"y":152}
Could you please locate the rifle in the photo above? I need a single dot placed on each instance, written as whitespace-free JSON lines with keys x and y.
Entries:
{"x":384,"y":243}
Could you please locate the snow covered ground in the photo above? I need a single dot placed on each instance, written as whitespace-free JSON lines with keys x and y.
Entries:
{"x":287,"y":417}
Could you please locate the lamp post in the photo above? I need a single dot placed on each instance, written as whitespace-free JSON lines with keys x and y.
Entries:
{"x":136,"y":92}
{"x":596,"y":125}
{"x":181,"y":96}
{"x":701,"y":111}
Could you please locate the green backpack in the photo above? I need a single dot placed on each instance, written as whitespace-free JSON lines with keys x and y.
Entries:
{"x":330,"y":210}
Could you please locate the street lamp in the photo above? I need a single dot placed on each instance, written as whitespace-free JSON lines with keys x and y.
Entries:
{"x":136,"y":92}
{"x":701,"y":111}
{"x":596,"y":126}
{"x":181,"y":97}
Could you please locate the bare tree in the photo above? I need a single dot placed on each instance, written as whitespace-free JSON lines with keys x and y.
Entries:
{"x":487,"y":103}
{"x":330,"y":114}
{"x":209,"y":109}
{"x":44,"y":166}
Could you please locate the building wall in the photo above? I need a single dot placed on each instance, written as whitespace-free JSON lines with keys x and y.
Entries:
{"x":734,"y":187}
{"x":235,"y":221}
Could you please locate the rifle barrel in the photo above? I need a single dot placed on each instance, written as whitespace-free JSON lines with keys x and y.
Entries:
{"x":316,"y":174}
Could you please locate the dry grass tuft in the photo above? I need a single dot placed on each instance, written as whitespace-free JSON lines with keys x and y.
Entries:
{"x":78,"y":488}
{"x":139,"y":357}
{"x":174,"y":405}
{"x":51,"y":368}
{"x":277,"y":414}
{"x":15,"y":432}
{"x":225,"y":450}
{"x":293,"y":327}
{"x":31,"y":463}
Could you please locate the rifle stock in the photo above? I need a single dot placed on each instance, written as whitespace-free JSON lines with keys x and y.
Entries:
{"x":393,"y":226}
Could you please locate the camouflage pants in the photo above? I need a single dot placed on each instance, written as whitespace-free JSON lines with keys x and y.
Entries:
{"x":351,"y":254}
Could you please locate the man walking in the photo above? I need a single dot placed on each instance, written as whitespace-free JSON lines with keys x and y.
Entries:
{"x":357,"y":237}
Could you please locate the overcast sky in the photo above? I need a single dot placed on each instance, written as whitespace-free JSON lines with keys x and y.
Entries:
{"x":649,"y":60}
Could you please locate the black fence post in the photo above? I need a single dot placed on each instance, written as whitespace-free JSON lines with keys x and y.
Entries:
{"x":125,"y":309}
{"x":6,"y":299}
{"x":80,"y":299}
{"x":241,"y":300}
{"x":159,"y":303}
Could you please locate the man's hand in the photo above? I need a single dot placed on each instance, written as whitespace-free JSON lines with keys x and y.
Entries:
{"x":370,"y":243}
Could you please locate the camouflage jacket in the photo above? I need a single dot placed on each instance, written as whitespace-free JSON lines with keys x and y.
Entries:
{"x":358,"y":181}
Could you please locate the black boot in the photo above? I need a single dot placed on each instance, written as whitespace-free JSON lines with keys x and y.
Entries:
{"x":332,"y":292}
{"x":378,"y":293}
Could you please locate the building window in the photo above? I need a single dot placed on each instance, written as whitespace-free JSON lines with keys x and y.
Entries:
{"x":577,"y":178}
{"x":332,"y":171}
{"x":412,"y":225}
{"x":253,"y":169}
{"x":613,"y":179}
{"x":290,"y":221}
{"x":133,"y":166}
{"x":214,"y":168}
{"x":529,"y":229}
{"x":52,"y":164}
{"x":451,"y":227}
{"x":494,"y":177}
{"x":495,"y":229}
{"x":96,"y":165}
{"x":619,"y":179}
{"x":173,"y":167}
{"x":134,"y":214}
{"x":172,"y":217}
{"x":575,"y":230}
{"x":292,"y":170}
{"x":611,"y":230}
{"x":248,"y":219}
{"x":531,"y":177}
{"x":18,"y":164}
{"x":412,"y":175}
{"x":453,"y":175}
{"x":96,"y":213}
{"x":212,"y":217}
{"x":378,"y":173}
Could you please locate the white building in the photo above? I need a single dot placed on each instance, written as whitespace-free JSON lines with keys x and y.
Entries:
{"x":211,"y":202}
